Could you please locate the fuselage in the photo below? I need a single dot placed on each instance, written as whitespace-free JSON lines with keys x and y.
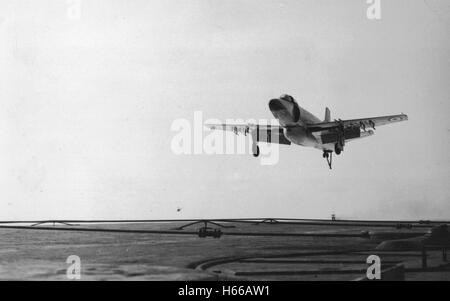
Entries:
{"x":294,"y":120}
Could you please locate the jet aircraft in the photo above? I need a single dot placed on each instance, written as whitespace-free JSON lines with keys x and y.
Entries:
{"x":298,"y":126}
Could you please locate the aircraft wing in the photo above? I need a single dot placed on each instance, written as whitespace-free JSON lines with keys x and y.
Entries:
{"x":362,"y":123}
{"x":260,"y":133}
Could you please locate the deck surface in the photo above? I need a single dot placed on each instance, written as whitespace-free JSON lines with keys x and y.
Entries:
{"x":41,"y":255}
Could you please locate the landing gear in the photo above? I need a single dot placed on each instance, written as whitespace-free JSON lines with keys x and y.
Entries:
{"x":255,"y":149}
{"x":340,"y":142}
{"x":340,"y":131}
{"x":329,"y":156}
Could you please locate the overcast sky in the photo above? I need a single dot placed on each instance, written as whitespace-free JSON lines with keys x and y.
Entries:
{"x":87,"y":104}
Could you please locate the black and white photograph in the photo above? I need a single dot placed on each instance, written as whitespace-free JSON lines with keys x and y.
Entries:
{"x":224,"y":146}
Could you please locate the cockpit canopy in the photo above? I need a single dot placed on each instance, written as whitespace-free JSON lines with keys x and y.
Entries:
{"x":287,"y":98}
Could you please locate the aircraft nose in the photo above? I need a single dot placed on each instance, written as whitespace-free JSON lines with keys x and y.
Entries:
{"x":276,"y":105}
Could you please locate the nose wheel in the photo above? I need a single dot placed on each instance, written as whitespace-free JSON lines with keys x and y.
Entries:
{"x":329,"y":156}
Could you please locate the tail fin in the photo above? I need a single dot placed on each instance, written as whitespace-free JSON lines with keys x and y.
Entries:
{"x":327,"y":115}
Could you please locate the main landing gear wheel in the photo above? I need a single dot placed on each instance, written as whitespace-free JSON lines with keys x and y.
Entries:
{"x":329,"y":156}
{"x":255,"y":150}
